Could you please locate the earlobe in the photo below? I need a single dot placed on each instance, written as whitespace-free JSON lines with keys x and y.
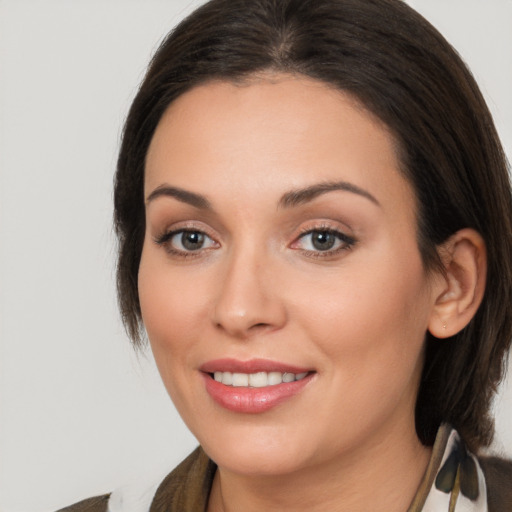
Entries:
{"x":461,"y":289}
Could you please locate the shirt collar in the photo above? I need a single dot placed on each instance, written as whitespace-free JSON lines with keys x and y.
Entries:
{"x":453,"y":481}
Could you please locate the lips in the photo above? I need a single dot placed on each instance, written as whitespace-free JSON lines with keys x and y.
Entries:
{"x":253,"y":386}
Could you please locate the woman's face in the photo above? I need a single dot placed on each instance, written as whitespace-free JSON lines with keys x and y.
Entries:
{"x":280,"y":258}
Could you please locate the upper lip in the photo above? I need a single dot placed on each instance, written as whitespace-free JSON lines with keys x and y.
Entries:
{"x":250,"y":366}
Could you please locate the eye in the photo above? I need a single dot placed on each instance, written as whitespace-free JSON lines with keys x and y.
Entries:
{"x":186,"y":241}
{"x":324,"y":240}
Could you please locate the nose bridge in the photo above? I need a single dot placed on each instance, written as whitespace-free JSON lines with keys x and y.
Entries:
{"x":248,"y":299}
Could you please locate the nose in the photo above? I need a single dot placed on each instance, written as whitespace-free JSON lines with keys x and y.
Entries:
{"x":249,"y":299}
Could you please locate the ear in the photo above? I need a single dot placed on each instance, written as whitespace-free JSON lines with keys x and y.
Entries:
{"x":459,"y":292}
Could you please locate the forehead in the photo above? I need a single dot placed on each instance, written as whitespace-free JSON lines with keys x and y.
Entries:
{"x":271,"y":132}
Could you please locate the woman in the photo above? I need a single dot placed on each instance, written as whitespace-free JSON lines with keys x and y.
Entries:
{"x":314,"y":215}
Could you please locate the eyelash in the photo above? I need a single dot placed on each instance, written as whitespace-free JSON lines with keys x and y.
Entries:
{"x":165,"y":240}
{"x":347,"y":242}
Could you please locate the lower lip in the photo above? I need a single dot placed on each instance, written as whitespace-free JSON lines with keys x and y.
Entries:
{"x":253,"y":400}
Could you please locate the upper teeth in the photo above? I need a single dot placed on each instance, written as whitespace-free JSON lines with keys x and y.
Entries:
{"x":256,"y":380}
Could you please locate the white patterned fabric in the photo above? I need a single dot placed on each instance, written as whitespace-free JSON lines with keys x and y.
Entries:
{"x":439,"y":501}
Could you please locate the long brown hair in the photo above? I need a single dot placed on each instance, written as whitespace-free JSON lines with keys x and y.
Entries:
{"x":399,"y":67}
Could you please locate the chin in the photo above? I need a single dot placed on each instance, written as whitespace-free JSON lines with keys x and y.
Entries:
{"x":261,"y":451}
{"x":257,"y":463}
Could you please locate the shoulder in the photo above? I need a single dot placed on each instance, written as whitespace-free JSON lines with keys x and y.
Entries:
{"x":498,"y":479}
{"x":187,"y":487}
{"x":96,"y":504}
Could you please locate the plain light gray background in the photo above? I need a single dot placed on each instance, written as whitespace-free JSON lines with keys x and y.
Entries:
{"x":79,"y":413}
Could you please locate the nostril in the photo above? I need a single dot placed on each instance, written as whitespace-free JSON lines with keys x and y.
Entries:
{"x":261,"y":326}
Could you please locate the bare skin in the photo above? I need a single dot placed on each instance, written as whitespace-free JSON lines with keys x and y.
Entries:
{"x":305,"y":254}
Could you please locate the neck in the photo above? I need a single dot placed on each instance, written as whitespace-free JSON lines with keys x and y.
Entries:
{"x":382,"y":474}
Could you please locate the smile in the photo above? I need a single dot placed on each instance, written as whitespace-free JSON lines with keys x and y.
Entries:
{"x":254,"y":386}
{"x":257,"y":380}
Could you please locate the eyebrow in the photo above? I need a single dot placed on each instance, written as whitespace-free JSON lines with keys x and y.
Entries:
{"x":304,"y":195}
{"x":180,"y":194}
{"x":288,"y":200}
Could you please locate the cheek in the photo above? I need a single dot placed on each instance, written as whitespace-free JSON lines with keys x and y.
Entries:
{"x":372,"y":337}
{"x":371,"y":318}
{"x":171,"y":307}
{"x":170,"y":304}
